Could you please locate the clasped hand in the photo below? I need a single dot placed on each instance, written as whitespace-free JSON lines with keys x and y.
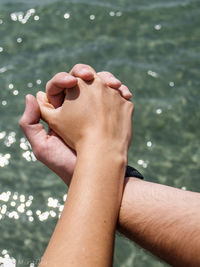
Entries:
{"x":80,"y":107}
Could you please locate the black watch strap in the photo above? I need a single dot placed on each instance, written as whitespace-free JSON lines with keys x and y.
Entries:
{"x":132,"y":172}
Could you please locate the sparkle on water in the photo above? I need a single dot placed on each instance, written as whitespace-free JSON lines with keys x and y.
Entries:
{"x":66,"y":15}
{"x":152,"y":47}
{"x":92,"y":17}
{"x":18,"y":207}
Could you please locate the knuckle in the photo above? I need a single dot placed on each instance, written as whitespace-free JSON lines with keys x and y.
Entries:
{"x":55,"y":80}
{"x":110,"y":75}
{"x":48,"y":85}
{"x":106,"y":73}
{"x":79,"y":66}
{"x":60,"y":74}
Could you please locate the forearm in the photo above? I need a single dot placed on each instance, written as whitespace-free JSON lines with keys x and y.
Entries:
{"x":163,"y":220}
{"x":85,"y":232}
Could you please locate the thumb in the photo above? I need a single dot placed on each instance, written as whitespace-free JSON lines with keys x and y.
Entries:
{"x":48,"y":112}
{"x":32,"y":111}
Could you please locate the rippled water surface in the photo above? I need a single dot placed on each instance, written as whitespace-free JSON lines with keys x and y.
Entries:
{"x":152,"y":46}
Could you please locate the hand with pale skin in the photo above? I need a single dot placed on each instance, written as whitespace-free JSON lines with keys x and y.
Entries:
{"x":49,"y":148}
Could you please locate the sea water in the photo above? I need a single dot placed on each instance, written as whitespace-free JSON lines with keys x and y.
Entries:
{"x":151,"y":46}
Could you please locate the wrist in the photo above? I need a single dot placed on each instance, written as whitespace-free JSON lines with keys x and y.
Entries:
{"x":64,"y":174}
{"x":102,"y":150}
{"x":66,"y":169}
{"x":99,"y":142}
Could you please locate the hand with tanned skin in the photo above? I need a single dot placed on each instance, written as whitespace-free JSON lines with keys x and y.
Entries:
{"x":49,"y":148}
{"x":96,"y":122}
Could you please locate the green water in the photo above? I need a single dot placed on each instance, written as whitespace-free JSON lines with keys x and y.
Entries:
{"x":152,"y":46}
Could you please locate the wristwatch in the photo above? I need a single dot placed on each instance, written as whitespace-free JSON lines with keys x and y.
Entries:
{"x":132,"y":172}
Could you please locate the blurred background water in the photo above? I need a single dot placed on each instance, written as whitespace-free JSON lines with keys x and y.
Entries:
{"x":152,"y":46}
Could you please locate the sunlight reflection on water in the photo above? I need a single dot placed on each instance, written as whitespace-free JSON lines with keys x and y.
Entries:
{"x":152,"y":47}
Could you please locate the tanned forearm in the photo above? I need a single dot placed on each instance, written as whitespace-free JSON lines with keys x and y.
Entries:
{"x":163,"y":220}
{"x":85,"y":232}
